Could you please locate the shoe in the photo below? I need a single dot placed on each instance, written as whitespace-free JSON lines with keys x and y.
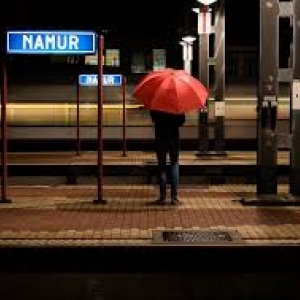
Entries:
{"x":158,"y":202}
{"x":174,"y":201}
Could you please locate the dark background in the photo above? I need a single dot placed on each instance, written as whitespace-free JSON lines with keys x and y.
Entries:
{"x":152,"y":18}
{"x":168,"y":20}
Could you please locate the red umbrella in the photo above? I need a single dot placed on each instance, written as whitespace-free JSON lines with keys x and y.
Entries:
{"x":172,"y":91}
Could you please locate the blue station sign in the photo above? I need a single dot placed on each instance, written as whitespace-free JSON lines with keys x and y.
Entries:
{"x":108,"y":80}
{"x":51,"y":42}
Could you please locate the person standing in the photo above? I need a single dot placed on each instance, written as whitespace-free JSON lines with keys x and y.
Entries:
{"x":167,"y":143}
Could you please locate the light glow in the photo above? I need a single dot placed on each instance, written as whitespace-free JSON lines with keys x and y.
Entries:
{"x":189,"y":39}
{"x":207,"y":2}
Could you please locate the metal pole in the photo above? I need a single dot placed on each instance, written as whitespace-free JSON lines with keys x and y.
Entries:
{"x":124,"y":115}
{"x":295,"y":106}
{"x":100,"y":95}
{"x":219,"y":87}
{"x":203,"y":73}
{"x":78,"y":116}
{"x":4,"y":198}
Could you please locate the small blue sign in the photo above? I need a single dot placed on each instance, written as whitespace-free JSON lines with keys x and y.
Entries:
{"x":51,"y":42}
{"x":92,"y":80}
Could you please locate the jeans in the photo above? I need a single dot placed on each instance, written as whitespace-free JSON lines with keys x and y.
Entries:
{"x":174,"y":182}
{"x":163,"y":149}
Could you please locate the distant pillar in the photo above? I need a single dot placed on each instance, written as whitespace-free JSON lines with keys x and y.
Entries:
{"x":219,"y":87}
{"x":295,"y":105}
{"x":203,"y":73}
{"x":267,"y":99}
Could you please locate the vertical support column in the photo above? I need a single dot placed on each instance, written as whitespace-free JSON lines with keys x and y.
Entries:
{"x":219,"y":88}
{"x":295,"y":105}
{"x":124,"y":115}
{"x":78,"y":141}
{"x":203,"y":71}
{"x":267,"y":99}
{"x":100,"y":96}
{"x":3,"y":197}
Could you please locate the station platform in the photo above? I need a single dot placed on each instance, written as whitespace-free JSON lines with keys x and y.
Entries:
{"x":45,"y":206}
{"x":66,"y":215}
{"x":55,"y":238}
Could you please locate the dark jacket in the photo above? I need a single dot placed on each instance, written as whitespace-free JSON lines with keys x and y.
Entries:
{"x":167,"y":124}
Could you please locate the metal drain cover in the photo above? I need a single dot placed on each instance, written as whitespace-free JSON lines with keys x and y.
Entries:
{"x":195,"y":236}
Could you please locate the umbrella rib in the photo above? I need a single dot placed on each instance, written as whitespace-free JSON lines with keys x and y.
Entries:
{"x":193,"y":87}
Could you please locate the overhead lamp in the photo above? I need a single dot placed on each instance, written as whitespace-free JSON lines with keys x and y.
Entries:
{"x":197,"y":10}
{"x":189,"y":39}
{"x":207,"y":2}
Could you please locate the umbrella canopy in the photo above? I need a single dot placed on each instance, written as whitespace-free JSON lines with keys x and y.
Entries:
{"x":172,"y":91}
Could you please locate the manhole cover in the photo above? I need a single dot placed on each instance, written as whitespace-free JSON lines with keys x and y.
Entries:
{"x":195,"y":236}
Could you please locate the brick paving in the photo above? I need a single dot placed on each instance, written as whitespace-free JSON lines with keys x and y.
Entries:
{"x":66,"y":215}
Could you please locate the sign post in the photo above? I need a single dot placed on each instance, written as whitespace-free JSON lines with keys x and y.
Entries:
{"x":112,"y":80}
{"x":78,"y":143}
{"x":100,"y":95}
{"x":124,"y":116}
{"x":4,"y":198}
{"x":38,"y":43}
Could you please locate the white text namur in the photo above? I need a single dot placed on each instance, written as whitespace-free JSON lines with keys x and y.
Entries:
{"x":50,"y":42}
